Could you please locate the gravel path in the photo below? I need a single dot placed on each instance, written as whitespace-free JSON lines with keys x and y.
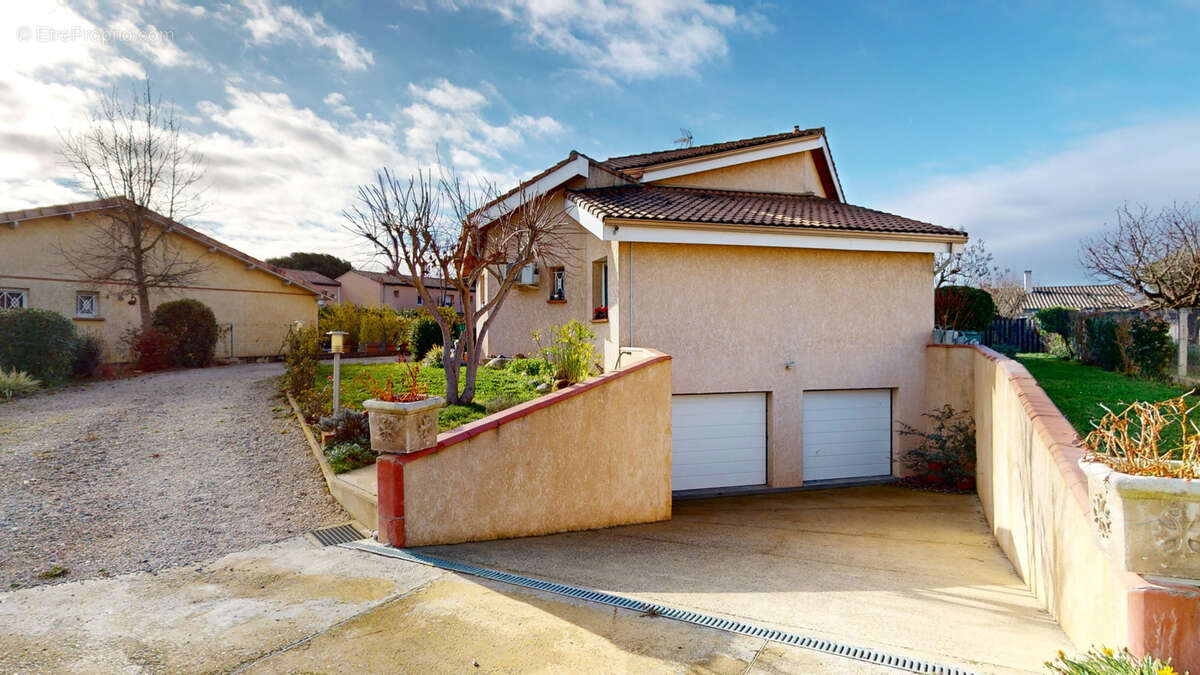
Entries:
{"x":152,"y":472}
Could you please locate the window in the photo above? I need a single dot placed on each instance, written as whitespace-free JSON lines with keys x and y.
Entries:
{"x":396,"y":293}
{"x":420,"y":300}
{"x":11,"y":298}
{"x":448,"y":301}
{"x":600,"y":290}
{"x":87,"y":305}
{"x":558,"y":285}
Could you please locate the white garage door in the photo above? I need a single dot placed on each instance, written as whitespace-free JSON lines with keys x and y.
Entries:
{"x":718,"y":440}
{"x":847,"y":434}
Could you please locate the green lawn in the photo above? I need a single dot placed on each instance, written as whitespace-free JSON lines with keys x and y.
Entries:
{"x":512,"y":386}
{"x":1079,"y":390}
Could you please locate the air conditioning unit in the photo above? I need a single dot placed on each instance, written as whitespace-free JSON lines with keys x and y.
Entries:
{"x":528,"y":275}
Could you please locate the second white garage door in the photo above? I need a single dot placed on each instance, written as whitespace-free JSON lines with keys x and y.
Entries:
{"x":847,"y":434}
{"x":718,"y":440}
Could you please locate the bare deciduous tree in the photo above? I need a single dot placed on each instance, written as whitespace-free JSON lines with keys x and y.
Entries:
{"x":437,"y":227}
{"x":969,"y":267}
{"x":133,"y":151}
{"x":1008,"y":294}
{"x":1152,"y":253}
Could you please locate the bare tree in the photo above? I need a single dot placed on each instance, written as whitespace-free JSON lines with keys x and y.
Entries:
{"x":1153,"y":254}
{"x":133,"y":153}
{"x":969,"y":267}
{"x":438,"y":227}
{"x":1008,"y":294}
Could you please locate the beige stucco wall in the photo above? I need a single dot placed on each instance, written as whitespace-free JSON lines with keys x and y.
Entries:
{"x":794,"y":173}
{"x":1032,"y":493}
{"x":360,"y":290}
{"x":732,"y":317}
{"x":258,"y":305}
{"x":598,"y":458}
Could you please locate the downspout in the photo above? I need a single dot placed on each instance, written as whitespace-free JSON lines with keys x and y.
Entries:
{"x":630,"y":294}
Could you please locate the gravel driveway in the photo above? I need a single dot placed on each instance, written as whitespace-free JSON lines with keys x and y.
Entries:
{"x":151,"y":472}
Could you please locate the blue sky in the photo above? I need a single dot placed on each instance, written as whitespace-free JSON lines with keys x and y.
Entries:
{"x":1026,"y":123}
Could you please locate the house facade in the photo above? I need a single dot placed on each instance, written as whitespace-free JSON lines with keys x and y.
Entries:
{"x":255,"y":303}
{"x":796,"y":322}
{"x":383,"y":289}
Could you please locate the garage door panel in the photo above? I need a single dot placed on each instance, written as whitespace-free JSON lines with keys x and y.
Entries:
{"x":847,"y":434}
{"x":718,"y":440}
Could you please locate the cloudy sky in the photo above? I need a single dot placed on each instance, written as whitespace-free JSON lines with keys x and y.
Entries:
{"x":1025,"y":123}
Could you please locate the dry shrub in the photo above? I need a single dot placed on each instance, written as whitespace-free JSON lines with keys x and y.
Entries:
{"x":1141,"y":440}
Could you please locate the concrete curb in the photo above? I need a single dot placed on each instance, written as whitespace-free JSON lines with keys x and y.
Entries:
{"x":362,"y":505}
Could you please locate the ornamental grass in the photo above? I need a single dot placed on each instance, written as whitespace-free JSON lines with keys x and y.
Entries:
{"x":1148,"y":439}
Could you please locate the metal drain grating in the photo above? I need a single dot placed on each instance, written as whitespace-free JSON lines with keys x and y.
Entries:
{"x":706,"y":620}
{"x":338,"y":534}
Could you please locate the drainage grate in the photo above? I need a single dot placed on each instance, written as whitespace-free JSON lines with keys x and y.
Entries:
{"x":338,"y":534}
{"x":706,"y":620}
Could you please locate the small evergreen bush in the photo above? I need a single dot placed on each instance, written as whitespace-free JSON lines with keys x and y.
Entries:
{"x":423,"y":333}
{"x":345,"y":457}
{"x":191,"y":331}
{"x":89,"y":356}
{"x":945,"y":455}
{"x":1152,"y":348}
{"x":38,"y":342}
{"x":348,"y":426}
{"x":150,"y":349}
{"x":300,"y":361}
{"x":963,"y":308}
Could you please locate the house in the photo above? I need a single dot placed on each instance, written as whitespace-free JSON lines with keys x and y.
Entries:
{"x":1087,"y":298}
{"x":330,"y":288}
{"x":255,"y":303}
{"x":797,"y":323}
{"x":383,"y":289}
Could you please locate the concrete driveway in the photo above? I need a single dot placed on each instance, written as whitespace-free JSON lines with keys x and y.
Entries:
{"x":909,"y":573}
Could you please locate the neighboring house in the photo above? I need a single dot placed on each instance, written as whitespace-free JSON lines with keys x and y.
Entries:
{"x":382,"y":289}
{"x":330,"y":288}
{"x":797,"y":323}
{"x":255,"y":303}
{"x":1087,"y":298}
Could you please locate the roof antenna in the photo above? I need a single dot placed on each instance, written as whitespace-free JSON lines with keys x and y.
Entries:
{"x":685,"y":138}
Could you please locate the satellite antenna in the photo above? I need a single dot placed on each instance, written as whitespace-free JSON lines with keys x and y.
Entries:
{"x":685,"y":138}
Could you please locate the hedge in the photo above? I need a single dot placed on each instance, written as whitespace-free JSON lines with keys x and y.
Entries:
{"x":39,"y":342}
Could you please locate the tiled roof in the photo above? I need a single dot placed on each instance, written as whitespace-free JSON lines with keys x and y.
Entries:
{"x":398,"y":279}
{"x":729,"y":207}
{"x":663,"y":156}
{"x":311,"y":277}
{"x":23,"y":215}
{"x":1100,"y":296}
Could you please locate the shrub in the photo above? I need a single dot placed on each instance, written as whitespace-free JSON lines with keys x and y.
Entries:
{"x":1105,"y":661}
{"x":303,"y":350}
{"x":1132,"y":441}
{"x":1006,"y":349}
{"x":38,"y":342}
{"x":315,"y":403}
{"x":536,"y":368}
{"x":15,"y":383}
{"x":348,"y":426}
{"x":89,"y":356}
{"x":963,"y":308}
{"x":572,"y":353}
{"x":149,"y":349}
{"x":1102,"y":348}
{"x":345,"y":457}
{"x":191,"y":331}
{"x":434,"y":358}
{"x":423,"y":334}
{"x":1152,"y":349}
{"x":1058,"y":347}
{"x":372,"y":329}
{"x":946,"y":453}
{"x":344,"y":317}
{"x":1056,"y":320}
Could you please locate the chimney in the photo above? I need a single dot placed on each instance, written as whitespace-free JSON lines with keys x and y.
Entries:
{"x":795,"y":128}
{"x":1028,"y":281}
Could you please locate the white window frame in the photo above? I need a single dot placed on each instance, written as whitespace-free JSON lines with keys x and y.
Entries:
{"x":95,"y":304}
{"x":6,"y":295}
{"x":558,"y":284}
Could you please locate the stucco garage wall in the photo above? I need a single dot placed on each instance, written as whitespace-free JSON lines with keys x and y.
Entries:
{"x":794,"y":173}
{"x":593,"y":455}
{"x":258,"y":304}
{"x":1035,"y":498}
{"x":732,"y":316}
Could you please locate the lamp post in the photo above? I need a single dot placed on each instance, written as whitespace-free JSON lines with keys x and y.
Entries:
{"x":336,"y":346}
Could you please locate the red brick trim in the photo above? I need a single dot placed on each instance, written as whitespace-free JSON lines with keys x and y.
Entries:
{"x":389,"y":470}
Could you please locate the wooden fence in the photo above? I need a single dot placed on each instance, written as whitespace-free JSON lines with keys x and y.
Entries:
{"x":1022,"y":332}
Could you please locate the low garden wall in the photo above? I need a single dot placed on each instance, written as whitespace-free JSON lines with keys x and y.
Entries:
{"x":1035,"y":498}
{"x":595,"y":454}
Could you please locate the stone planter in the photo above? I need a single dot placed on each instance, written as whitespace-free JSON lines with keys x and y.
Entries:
{"x":399,"y":428}
{"x":1148,"y":525}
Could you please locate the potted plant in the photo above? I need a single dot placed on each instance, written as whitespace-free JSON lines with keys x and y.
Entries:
{"x":404,"y":420}
{"x":1141,"y":464}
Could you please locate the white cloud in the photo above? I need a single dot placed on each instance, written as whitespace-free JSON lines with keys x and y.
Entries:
{"x":445,"y":95}
{"x":1033,"y":215}
{"x":631,"y":39}
{"x":271,"y":23}
{"x":337,"y":103}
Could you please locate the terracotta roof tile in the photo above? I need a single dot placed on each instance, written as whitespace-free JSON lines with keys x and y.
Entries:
{"x":729,"y":207}
{"x":663,"y":156}
{"x":1094,"y":297}
{"x":310,"y":276}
